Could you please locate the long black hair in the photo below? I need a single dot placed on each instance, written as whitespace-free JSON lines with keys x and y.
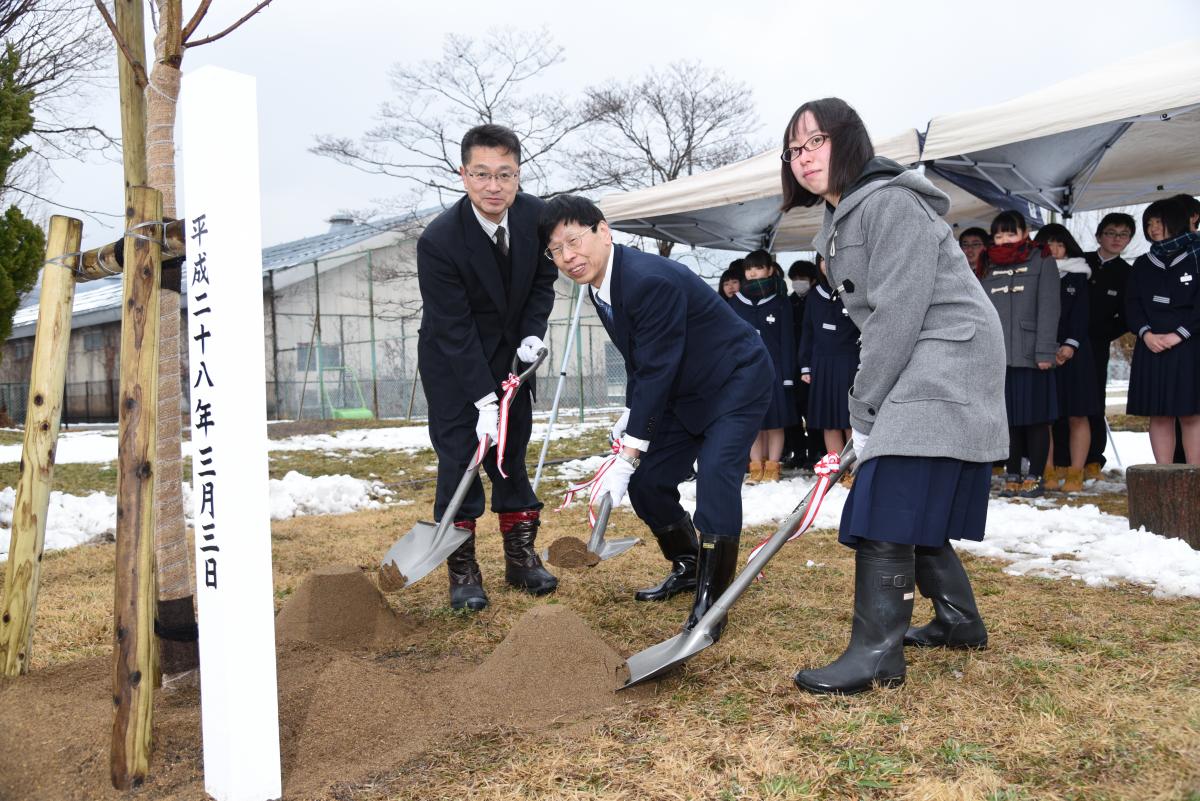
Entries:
{"x":1054,"y":232}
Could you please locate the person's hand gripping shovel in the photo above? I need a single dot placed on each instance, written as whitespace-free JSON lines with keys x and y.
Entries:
{"x":427,"y":545}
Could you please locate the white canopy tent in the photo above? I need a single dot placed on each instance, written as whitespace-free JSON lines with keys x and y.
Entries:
{"x":736,"y":207}
{"x":1123,"y":134}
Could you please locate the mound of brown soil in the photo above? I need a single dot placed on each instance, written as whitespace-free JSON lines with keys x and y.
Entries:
{"x":343,"y":716}
{"x":571,"y":552}
{"x":338,"y":605}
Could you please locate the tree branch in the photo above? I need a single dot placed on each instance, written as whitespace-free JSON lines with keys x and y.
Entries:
{"x":139,"y":70}
{"x":194,"y":22}
{"x":230,"y":29}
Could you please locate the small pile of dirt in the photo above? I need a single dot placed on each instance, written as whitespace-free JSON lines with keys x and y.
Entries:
{"x":338,"y":605}
{"x":549,"y":666}
{"x":571,"y":552}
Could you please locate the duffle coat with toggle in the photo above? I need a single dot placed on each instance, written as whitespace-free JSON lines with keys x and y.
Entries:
{"x":1026,"y":297}
{"x":931,"y":376}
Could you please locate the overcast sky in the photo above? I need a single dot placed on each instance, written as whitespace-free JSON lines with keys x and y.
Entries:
{"x":322,"y":67}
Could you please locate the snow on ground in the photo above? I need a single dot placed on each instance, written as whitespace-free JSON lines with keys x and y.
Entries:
{"x":1080,"y":543}
{"x":72,"y":520}
{"x":101,"y":446}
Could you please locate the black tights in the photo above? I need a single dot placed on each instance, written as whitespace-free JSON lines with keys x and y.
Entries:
{"x":1031,"y":442}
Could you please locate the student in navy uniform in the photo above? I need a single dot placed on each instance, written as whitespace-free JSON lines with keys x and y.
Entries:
{"x":1192,"y":207}
{"x":762,"y":302}
{"x":974,"y":243}
{"x":1106,"y":319}
{"x":1074,"y":373}
{"x":699,"y":381}
{"x":927,"y":407}
{"x":1022,"y":283}
{"x":731,"y":280}
{"x":487,"y":292}
{"x":804,"y":443}
{"x":828,"y":361}
{"x":1162,"y":306}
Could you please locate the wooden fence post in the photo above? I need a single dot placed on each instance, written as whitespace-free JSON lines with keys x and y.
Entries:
{"x":136,"y":594}
{"x":44,"y":412}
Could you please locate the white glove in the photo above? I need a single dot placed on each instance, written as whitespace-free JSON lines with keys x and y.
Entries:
{"x":615,"y":481}
{"x":528,"y":352}
{"x":489,"y":422}
{"x":860,"y":442}
{"x":618,"y":429}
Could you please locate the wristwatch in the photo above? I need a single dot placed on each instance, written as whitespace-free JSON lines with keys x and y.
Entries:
{"x":634,"y":461}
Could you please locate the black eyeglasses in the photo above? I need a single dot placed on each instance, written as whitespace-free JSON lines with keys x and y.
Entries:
{"x":815,"y":142}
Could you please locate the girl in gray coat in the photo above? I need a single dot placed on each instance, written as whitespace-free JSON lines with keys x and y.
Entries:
{"x":927,"y":404}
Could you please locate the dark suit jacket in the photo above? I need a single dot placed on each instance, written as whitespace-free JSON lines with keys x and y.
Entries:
{"x":680,"y":340}
{"x":470,"y":329}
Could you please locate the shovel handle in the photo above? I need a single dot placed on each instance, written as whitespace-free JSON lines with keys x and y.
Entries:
{"x":464,"y":484}
{"x":594,"y":544}
{"x":786,"y":529}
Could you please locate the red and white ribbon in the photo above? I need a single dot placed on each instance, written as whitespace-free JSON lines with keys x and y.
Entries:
{"x":825,"y":470}
{"x":510,"y":386}
{"x":592,"y":483}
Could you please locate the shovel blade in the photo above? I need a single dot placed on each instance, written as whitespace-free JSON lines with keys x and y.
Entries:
{"x":611,"y":548}
{"x":668,"y":654}
{"x":419,"y":552}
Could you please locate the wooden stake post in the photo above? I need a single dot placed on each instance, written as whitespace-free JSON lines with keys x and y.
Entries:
{"x":136,"y":595}
{"x":42,"y":419}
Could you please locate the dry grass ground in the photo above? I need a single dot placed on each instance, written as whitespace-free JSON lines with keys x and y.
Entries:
{"x":1084,"y":693}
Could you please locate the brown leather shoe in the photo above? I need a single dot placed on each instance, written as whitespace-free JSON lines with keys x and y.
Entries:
{"x":770,"y":471}
{"x":1052,"y":479}
{"x":1074,"y":481}
{"x":756,"y":473}
{"x":1091,"y":470}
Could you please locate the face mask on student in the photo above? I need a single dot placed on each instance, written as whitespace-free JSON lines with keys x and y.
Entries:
{"x":801,"y":287}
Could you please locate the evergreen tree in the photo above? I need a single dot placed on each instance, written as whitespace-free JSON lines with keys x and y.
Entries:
{"x":21,"y":242}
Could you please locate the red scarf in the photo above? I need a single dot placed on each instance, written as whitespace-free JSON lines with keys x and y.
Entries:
{"x":1016,"y":253}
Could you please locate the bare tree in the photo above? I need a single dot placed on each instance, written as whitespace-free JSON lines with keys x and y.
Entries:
{"x":63,"y":54}
{"x":687,"y":118}
{"x":475,"y":81}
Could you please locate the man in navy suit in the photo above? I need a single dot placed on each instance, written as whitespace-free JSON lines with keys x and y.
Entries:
{"x":699,"y":383}
{"x":487,"y":292}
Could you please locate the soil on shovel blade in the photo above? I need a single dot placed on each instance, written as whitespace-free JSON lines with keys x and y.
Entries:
{"x":348,"y":707}
{"x":571,"y":552}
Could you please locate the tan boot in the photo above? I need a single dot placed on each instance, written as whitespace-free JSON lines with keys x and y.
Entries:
{"x":770,"y":471}
{"x":1052,"y":478}
{"x":1074,"y":482}
{"x":756,"y":473}
{"x":1091,"y":470}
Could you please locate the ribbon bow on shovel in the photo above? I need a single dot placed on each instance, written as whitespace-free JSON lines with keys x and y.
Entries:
{"x":599,"y":510}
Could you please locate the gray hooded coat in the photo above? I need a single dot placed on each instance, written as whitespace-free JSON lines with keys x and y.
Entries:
{"x":931,"y":375}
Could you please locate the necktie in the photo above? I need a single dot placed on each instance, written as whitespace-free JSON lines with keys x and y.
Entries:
{"x":502,"y":241}
{"x":605,"y":310}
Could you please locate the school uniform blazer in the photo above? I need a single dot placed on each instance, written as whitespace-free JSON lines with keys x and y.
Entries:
{"x":681,"y":343}
{"x":1163,"y":296}
{"x":470,"y":328}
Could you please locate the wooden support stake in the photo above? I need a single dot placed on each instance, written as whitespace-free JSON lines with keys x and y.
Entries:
{"x":102,"y":262}
{"x":44,"y":413}
{"x":136,"y":594}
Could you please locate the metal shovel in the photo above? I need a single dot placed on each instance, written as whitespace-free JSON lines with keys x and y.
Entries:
{"x":658,"y":659}
{"x":597,"y":544}
{"x":427,"y":545}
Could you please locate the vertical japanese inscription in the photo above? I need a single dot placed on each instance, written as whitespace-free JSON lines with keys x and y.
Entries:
{"x":205,"y":415}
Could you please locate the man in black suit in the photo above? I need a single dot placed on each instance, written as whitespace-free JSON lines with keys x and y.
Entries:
{"x":699,"y":383}
{"x":487,"y":291}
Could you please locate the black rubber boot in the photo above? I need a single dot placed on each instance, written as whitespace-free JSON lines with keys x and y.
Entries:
{"x":522,"y":567}
{"x":956,"y":622}
{"x":466,"y":582}
{"x":883,"y":601}
{"x":678,"y":544}
{"x":714,"y":570}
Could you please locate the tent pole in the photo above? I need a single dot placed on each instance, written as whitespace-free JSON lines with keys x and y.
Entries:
{"x":562,"y":377}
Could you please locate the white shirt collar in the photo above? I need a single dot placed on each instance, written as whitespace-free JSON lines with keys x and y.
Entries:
{"x":749,"y":302}
{"x":605,"y":290}
{"x":821,"y":291}
{"x":490,"y":227}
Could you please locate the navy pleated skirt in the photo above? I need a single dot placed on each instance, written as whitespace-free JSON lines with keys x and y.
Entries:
{"x":782,"y":411}
{"x":1165,"y":384}
{"x":917,"y":500}
{"x":1075,"y":384}
{"x":1030,"y":396}
{"x":829,"y":392}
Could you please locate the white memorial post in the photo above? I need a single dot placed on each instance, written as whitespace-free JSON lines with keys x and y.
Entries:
{"x":238,"y":699}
